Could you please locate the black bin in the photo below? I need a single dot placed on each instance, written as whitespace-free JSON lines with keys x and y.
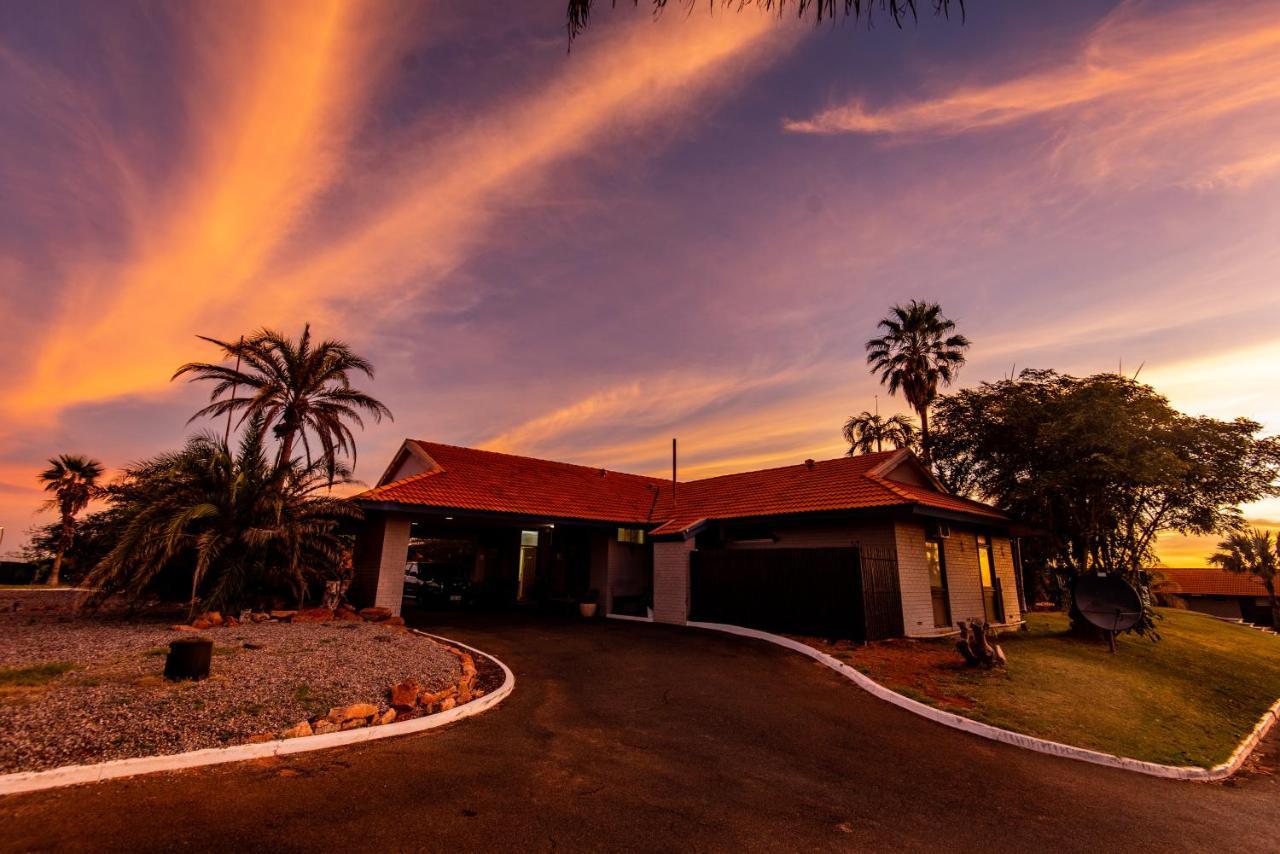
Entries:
{"x":188,"y":658}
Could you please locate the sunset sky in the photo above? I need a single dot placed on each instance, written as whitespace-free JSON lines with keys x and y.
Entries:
{"x":686,"y":227}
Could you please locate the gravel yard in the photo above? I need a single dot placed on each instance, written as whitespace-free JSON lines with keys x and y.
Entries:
{"x":91,"y":690}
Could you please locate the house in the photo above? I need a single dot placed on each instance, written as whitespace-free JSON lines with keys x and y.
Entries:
{"x":1218,"y":592}
{"x":863,"y":547}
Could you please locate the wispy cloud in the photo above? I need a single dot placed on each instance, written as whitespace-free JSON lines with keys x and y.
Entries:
{"x":1146,"y":90}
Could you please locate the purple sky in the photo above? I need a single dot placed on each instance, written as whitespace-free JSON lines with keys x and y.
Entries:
{"x":685,"y":228}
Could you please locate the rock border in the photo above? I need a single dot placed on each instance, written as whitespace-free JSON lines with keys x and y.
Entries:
{"x":1152,"y":769}
{"x":69,"y":775}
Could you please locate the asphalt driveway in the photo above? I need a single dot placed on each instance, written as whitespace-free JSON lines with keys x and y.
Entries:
{"x":624,"y":736}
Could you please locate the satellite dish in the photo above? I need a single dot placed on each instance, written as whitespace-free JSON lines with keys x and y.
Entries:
{"x":1109,"y":602}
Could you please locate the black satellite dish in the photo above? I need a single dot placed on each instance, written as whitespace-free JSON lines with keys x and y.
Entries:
{"x":1109,"y":602}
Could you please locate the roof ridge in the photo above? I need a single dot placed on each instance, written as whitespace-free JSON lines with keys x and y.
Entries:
{"x":645,"y":477}
{"x":439,"y":469}
{"x":788,"y":466}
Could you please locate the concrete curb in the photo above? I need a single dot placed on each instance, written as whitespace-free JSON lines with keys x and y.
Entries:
{"x":1017,"y":739}
{"x":69,"y":775}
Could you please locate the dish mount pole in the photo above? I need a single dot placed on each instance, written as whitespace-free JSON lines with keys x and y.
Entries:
{"x":673,"y":472}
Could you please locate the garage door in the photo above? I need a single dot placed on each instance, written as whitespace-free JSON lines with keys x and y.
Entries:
{"x":804,"y":591}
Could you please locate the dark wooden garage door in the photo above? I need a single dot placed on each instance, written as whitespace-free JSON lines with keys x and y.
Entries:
{"x":806,"y":591}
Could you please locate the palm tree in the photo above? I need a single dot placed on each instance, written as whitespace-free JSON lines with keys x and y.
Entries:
{"x":867,"y":432}
{"x":73,"y":480}
{"x":298,"y":387}
{"x":918,"y":352}
{"x":898,"y":10}
{"x":233,"y":520}
{"x":1254,"y":552}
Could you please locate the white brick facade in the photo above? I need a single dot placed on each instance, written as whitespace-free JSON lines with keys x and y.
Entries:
{"x":671,"y":581}
{"x":380,"y":555}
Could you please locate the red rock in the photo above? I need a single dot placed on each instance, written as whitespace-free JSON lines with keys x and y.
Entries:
{"x":375,"y":614}
{"x":261,"y":737}
{"x":313,"y":615}
{"x":201,"y":624}
{"x":447,"y":703}
{"x":283,"y":616}
{"x":358,"y":710}
{"x":298,"y":730}
{"x":347,"y":615}
{"x":405,"y":695}
{"x":184,"y":628}
{"x":324,"y":725}
{"x":394,"y":621}
{"x":387,"y":717}
{"x":231,"y":622}
{"x":214,"y":618}
{"x":354,"y":723}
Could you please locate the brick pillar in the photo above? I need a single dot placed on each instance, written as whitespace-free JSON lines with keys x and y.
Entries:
{"x":671,"y":581}
{"x":379,"y":558}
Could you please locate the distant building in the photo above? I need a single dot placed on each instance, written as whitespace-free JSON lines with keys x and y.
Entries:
{"x":1217,"y":592}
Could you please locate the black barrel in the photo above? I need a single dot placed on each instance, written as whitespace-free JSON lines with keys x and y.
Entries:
{"x":188,"y":658}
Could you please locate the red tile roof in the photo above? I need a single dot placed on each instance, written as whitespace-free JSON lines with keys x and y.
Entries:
{"x":1211,"y":582}
{"x":469,"y":479}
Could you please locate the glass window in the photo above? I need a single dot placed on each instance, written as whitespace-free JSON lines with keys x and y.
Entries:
{"x":631,"y":535}
{"x":933,"y":558}
{"x":984,"y":560}
{"x":528,"y":538}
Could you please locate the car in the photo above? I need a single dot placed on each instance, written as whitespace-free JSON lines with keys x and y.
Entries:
{"x":434,"y":585}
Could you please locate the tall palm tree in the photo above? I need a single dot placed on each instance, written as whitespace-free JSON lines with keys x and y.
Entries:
{"x":1254,"y":552}
{"x":918,"y":351}
{"x":73,"y":480}
{"x":232,"y":519}
{"x":299,"y":388}
{"x":867,"y":432}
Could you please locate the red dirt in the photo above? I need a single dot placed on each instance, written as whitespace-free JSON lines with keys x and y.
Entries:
{"x":910,"y":666}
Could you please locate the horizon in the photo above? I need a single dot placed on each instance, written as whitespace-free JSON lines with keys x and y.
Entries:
{"x":683,"y":227}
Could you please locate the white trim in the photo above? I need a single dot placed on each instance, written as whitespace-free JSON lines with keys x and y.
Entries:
{"x":630,"y":617}
{"x":1067,"y":751}
{"x":29,"y":781}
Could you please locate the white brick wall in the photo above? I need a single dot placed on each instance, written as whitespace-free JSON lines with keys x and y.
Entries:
{"x":671,"y":581}
{"x":964,"y":582}
{"x":913,"y":580}
{"x":381,"y":552}
{"x":1003,"y":550}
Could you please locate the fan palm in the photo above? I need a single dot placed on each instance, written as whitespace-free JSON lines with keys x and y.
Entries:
{"x":73,"y":480}
{"x":299,"y":388}
{"x":234,"y":520}
{"x":867,"y":432}
{"x":919,"y":351}
{"x":1254,"y":552}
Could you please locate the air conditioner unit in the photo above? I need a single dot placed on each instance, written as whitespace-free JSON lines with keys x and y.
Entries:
{"x":942,"y":530}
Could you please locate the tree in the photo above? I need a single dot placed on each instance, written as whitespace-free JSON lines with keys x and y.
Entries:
{"x":229,"y":522}
{"x":1101,"y":465}
{"x":867,"y":432}
{"x":297,"y":387}
{"x":579,"y":12}
{"x":1254,"y":552}
{"x":918,"y":351}
{"x":73,"y":480}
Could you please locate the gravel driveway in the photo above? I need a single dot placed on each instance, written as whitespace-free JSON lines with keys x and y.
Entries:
{"x":110,"y":700}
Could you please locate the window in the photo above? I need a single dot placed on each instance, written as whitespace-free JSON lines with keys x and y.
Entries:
{"x":991,"y":597}
{"x":631,"y":535}
{"x":937,"y":583}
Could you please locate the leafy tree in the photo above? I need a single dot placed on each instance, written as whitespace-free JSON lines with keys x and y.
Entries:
{"x":297,"y":387}
{"x":1253,"y":552}
{"x":1100,"y":465}
{"x":580,"y":10}
{"x":918,"y":351}
{"x":867,"y":432}
{"x":233,"y":521}
{"x":73,"y":481}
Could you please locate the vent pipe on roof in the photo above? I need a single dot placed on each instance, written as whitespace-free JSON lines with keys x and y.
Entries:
{"x":673,"y":472}
{"x":808,"y":464}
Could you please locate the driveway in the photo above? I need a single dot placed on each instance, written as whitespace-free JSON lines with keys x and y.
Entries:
{"x":625,"y":736}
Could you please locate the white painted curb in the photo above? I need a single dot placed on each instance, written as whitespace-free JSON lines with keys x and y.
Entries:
{"x":68,"y":775}
{"x":1067,"y":751}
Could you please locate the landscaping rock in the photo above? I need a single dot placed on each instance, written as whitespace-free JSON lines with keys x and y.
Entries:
{"x":375,"y":614}
{"x":354,"y":723}
{"x":387,"y":717}
{"x":201,"y":624}
{"x":362,"y":711}
{"x":184,"y":628}
{"x":230,"y":622}
{"x":298,"y":730}
{"x":405,"y":695}
{"x":214,"y":618}
{"x":447,"y":703}
{"x":261,"y":738}
{"x":313,"y":615}
{"x":283,"y":616}
{"x":347,"y":615}
{"x":394,"y":621}
{"x":324,"y":725}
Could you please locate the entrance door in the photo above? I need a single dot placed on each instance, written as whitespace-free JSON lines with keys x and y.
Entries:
{"x":938,"y":583}
{"x":992,"y":602}
{"x":528,"y":567}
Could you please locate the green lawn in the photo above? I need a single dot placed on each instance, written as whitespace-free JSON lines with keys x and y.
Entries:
{"x":1187,"y":700}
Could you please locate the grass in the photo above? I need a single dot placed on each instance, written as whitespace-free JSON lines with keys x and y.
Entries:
{"x":34,"y":675}
{"x":1187,"y":700}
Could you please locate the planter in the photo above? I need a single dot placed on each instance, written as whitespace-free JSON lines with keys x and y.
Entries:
{"x":587,"y":609}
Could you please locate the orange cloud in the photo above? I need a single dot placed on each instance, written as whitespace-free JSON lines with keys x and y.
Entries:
{"x":1194,"y":91}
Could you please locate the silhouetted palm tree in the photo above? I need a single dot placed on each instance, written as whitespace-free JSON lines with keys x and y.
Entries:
{"x":898,"y":10}
{"x":234,"y":520}
{"x":918,"y":352}
{"x":867,"y":432}
{"x":73,"y":480}
{"x":297,"y":387}
{"x":1254,"y":552}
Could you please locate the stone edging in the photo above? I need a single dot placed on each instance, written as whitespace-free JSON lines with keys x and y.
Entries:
{"x":68,"y":775}
{"x":1017,"y":739}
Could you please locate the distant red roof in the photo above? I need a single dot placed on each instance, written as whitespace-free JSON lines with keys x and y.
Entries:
{"x":470,"y":479}
{"x":1211,"y":582}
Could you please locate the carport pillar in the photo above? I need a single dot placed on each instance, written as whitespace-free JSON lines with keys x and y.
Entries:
{"x":671,"y":581}
{"x":379,"y":558}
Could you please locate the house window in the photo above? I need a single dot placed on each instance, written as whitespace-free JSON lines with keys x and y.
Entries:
{"x":991,"y":600}
{"x":937,"y":582}
{"x":631,"y":535}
